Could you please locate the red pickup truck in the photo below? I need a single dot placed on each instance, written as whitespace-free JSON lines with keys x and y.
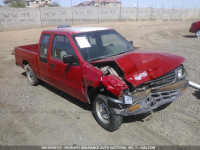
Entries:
{"x":195,"y":28}
{"x":100,"y":67}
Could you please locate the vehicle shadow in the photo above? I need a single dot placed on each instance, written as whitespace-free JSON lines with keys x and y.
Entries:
{"x":143,"y":117}
{"x":162,"y":107}
{"x":24,"y":74}
{"x":88,"y":107}
{"x":189,"y":36}
{"x":197,"y":94}
{"x":130,"y":119}
{"x":64,"y":95}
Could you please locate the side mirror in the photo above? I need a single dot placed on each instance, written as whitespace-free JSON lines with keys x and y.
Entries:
{"x":68,"y":59}
{"x":131,"y":42}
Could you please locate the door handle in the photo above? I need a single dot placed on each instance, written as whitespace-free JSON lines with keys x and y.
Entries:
{"x":52,"y":66}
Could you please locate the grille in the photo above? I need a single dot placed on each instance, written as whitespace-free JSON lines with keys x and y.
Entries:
{"x":155,"y":98}
{"x":164,"y":95}
{"x":163,"y":80}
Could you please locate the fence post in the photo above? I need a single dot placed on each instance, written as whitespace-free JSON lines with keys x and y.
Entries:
{"x":0,"y":21}
{"x":172,"y":12}
{"x":1,"y":26}
{"x":120,"y":11}
{"x":98,"y":12}
{"x":186,"y":12}
{"x":137,"y":12}
{"x":162,"y":11}
{"x":72,"y":13}
{"x":180,"y":14}
{"x":151,"y":13}
{"x":40,"y":16}
{"x":199,"y":13}
{"x":194,"y":15}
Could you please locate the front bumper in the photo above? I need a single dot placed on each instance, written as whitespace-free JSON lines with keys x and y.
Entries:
{"x":191,"y":30}
{"x":149,"y":100}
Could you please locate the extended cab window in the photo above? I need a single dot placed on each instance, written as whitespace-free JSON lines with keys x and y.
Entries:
{"x":44,"y":47}
{"x":61,"y":47}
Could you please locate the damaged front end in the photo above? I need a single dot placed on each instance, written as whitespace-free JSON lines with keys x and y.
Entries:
{"x":146,"y":97}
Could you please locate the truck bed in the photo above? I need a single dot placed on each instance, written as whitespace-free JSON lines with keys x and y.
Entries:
{"x":27,"y":54}
{"x":32,"y":47}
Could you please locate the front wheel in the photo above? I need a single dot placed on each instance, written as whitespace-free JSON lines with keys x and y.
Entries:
{"x":31,"y":76}
{"x":105,"y":115}
{"x":198,"y":33}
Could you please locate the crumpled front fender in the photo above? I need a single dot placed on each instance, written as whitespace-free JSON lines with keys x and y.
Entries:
{"x":114,"y":84}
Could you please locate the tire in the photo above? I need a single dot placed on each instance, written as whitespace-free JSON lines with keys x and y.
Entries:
{"x":106,"y":119}
{"x":30,"y":75}
{"x":197,"y":33}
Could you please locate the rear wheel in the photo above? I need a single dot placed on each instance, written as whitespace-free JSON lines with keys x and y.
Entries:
{"x":198,"y":33}
{"x":105,"y":115}
{"x":30,"y":75}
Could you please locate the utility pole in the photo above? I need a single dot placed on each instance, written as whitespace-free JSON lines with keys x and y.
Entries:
{"x":1,"y":27}
{"x":72,"y":12}
{"x":40,"y":14}
{"x":98,"y":12}
{"x":120,"y":13}
{"x":137,"y":12}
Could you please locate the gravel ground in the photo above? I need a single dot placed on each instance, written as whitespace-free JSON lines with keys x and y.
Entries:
{"x":43,"y":115}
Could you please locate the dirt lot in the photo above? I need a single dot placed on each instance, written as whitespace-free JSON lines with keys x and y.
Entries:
{"x":43,"y":115}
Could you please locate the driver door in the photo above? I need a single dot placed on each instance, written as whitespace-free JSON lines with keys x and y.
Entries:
{"x":67,"y":77}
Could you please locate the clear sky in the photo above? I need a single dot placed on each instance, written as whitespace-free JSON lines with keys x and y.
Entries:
{"x":141,"y":3}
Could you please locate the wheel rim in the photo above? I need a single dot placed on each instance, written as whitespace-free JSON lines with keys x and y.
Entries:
{"x":198,"y":33}
{"x":103,"y":112}
{"x":29,"y":74}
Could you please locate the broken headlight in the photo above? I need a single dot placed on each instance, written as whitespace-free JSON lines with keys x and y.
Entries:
{"x":181,"y":73}
{"x":128,"y":99}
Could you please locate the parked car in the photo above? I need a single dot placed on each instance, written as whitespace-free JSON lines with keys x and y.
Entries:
{"x":100,"y":67}
{"x":195,"y":28}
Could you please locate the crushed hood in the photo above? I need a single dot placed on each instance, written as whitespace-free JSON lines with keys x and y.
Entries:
{"x":141,"y":66}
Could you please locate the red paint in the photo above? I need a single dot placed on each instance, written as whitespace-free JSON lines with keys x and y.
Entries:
{"x":114,"y":84}
{"x":75,"y":79}
{"x":136,"y":62}
{"x":195,"y":27}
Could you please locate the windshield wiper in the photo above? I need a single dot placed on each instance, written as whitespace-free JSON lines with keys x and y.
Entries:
{"x":109,"y":56}
{"x":119,"y":53}
{"x":97,"y":58}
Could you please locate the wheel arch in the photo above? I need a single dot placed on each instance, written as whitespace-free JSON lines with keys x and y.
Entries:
{"x":93,"y":92}
{"x":25,"y":62}
{"x":197,"y":29}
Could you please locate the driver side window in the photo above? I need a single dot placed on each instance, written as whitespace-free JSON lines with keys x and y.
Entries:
{"x":61,"y":47}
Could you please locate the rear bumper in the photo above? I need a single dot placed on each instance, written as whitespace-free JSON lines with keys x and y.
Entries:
{"x":150,"y":99}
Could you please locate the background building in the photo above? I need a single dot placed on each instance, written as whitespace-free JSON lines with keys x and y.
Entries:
{"x":100,"y":3}
{"x":30,"y":3}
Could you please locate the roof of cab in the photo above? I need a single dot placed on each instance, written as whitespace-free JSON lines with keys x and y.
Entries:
{"x":76,"y":30}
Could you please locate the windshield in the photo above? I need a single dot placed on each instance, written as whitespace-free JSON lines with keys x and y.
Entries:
{"x":101,"y":44}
